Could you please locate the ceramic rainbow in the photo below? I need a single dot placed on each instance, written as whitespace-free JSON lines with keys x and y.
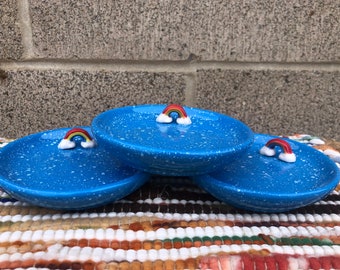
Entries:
{"x":269,"y":150}
{"x":182,"y":119}
{"x":67,"y":143}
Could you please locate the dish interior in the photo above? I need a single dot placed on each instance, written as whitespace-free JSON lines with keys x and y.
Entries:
{"x":267,"y":184}
{"x":261,"y":174}
{"x":136,"y":126}
{"x":35,"y":163}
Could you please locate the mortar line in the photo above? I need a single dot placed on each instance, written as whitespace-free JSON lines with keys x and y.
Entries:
{"x":25,"y":24}
{"x":185,"y":67}
{"x":190,"y":89}
{"x":290,"y":66}
{"x":101,"y":65}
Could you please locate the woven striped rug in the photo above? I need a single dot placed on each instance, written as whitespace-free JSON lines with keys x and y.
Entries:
{"x":170,"y":223}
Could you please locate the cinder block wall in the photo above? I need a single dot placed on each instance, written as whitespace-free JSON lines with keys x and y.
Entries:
{"x":272,"y":64}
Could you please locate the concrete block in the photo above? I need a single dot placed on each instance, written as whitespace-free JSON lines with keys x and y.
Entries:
{"x":33,"y":101}
{"x":275,"y":102}
{"x":10,"y":36}
{"x":233,"y":30}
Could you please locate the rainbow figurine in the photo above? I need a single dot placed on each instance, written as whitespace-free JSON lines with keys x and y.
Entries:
{"x":269,"y":150}
{"x":165,"y":117}
{"x":67,"y":143}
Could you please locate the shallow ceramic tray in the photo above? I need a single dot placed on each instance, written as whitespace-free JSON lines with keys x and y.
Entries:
{"x":33,"y":169}
{"x":275,"y":183}
{"x":172,"y":140}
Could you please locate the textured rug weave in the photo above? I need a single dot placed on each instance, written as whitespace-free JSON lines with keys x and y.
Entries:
{"x":170,"y":223}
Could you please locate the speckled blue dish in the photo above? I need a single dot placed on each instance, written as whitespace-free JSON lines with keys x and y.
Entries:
{"x":267,"y":184}
{"x":209,"y":142}
{"x":34,"y":170}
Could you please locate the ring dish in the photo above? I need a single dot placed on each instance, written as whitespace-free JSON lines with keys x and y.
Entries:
{"x":40,"y":170}
{"x":275,"y":175}
{"x":172,"y":140}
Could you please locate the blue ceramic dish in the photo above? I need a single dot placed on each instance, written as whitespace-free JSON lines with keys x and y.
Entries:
{"x":182,"y":142}
{"x":268,"y":184}
{"x":36,"y":171}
